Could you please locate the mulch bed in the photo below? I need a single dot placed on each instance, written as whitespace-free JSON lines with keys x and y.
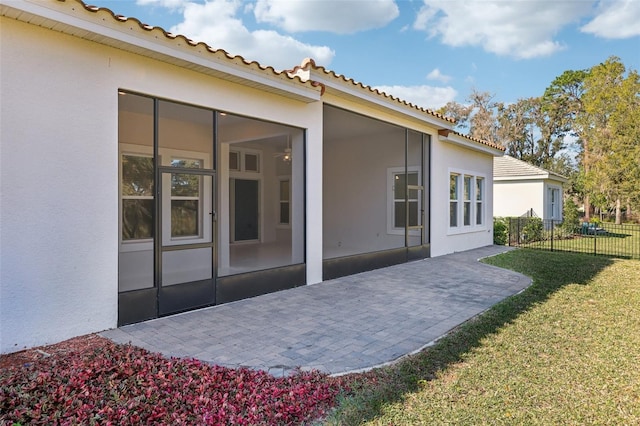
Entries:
{"x":77,"y":344}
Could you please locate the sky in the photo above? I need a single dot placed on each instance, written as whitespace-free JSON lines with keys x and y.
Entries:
{"x":427,"y":52}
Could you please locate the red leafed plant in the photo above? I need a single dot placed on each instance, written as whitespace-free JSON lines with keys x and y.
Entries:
{"x":123,"y":384}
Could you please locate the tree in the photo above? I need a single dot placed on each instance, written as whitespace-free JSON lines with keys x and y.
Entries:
{"x":478,"y":117}
{"x":531,"y":135}
{"x":610,"y":123}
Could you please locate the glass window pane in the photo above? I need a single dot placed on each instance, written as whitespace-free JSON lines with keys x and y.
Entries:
{"x":184,"y":218}
{"x":234,"y":161}
{"x":453,"y":187}
{"x":453,"y":213}
{"x":467,"y":213}
{"x":284,"y":213}
{"x":413,"y":213}
{"x":479,"y":185}
{"x":284,"y":190}
{"x":399,"y":186}
{"x":137,"y":219}
{"x":184,"y":185}
{"x":251,"y":163}
{"x":467,"y":187}
{"x":186,"y":163}
{"x":478,"y":213}
{"x":399,"y":214}
{"x":137,"y":175}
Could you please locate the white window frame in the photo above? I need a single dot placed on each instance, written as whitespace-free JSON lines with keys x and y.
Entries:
{"x":455,"y":199}
{"x":166,"y":155}
{"x":472,"y":202}
{"x":479,"y":200}
{"x":281,"y":201}
{"x":391,"y":200}
{"x":554,"y":203}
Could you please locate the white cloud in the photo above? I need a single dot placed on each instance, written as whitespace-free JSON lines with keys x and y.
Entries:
{"x":424,"y":96}
{"x":216,"y":23}
{"x":438,"y":76}
{"x":615,"y":19}
{"x":517,"y":28}
{"x":169,"y":4}
{"x":336,"y":16}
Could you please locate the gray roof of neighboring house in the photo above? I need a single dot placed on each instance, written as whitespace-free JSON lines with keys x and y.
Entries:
{"x":509,"y":168}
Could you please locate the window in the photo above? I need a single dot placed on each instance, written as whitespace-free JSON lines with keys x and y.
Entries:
{"x":479,"y":201}
{"x":404,"y":187}
{"x":285,"y":202}
{"x":554,"y":203}
{"x":466,"y":200}
{"x":137,"y":197}
{"x":251,"y":162}
{"x":185,"y":200}
{"x":234,"y":161}
{"x":453,"y":199}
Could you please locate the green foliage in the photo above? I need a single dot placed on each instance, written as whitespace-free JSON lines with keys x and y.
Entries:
{"x":532,"y":230}
{"x":571,"y":216}
{"x":500,"y":231}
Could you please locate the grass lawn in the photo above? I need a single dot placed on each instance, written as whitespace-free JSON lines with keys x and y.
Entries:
{"x":565,"y":351}
{"x":619,"y":241}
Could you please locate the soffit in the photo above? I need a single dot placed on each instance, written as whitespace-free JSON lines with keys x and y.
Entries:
{"x":101,"y":25}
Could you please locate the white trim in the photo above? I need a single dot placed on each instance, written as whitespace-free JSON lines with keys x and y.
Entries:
{"x":461,"y":228}
{"x":165,"y":157}
{"x":391,"y":172}
{"x":281,"y":225}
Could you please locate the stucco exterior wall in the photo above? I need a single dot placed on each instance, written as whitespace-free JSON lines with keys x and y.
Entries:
{"x":59,"y":174}
{"x":445,"y":158}
{"x":515,"y":198}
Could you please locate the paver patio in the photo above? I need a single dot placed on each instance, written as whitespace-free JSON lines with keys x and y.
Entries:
{"x":342,"y":325}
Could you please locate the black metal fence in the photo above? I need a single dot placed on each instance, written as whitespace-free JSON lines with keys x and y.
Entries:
{"x":600,"y":239}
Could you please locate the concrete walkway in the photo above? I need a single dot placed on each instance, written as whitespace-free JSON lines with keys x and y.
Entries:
{"x":343,"y":325}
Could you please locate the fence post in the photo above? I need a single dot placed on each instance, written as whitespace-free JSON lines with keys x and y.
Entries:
{"x":595,"y":237}
{"x":551,"y":234}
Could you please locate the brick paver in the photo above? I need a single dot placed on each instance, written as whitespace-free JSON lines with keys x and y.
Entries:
{"x":342,"y":325}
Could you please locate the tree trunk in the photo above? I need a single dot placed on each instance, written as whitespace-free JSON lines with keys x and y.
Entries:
{"x":618,"y":212}
{"x":587,"y":209}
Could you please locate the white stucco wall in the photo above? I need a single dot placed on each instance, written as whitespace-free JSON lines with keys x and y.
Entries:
{"x":59,"y":174}
{"x":447,"y":157}
{"x":515,"y":198}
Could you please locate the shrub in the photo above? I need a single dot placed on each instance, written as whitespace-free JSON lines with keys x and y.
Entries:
{"x":532,"y":230}
{"x":571,"y":217}
{"x":500,"y":231}
{"x":122,"y":384}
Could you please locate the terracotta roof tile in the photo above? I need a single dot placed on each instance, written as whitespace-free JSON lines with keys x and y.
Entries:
{"x":179,"y":37}
{"x":310,"y":63}
{"x":446,"y":132}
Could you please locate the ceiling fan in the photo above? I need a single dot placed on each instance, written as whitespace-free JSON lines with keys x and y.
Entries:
{"x":286,"y":154}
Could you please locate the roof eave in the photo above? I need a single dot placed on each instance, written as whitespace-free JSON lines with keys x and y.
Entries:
{"x":62,"y":16}
{"x":455,"y":139}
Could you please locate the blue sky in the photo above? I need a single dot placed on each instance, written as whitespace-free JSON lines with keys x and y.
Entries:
{"x":427,"y":52}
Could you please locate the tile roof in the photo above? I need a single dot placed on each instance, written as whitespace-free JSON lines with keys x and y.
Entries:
{"x":181,"y":42}
{"x":179,"y":37}
{"x":509,"y":167}
{"x":447,"y":132}
{"x":309,"y":63}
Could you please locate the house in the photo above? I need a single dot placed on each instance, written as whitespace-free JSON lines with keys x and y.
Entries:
{"x":520,"y":189}
{"x":145,"y":174}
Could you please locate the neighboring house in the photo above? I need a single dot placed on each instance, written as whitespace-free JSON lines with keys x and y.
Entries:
{"x":144,"y":174}
{"x":520,"y":188}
